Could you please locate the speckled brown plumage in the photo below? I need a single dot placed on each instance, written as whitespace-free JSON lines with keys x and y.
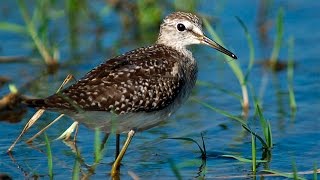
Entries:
{"x":145,"y":79}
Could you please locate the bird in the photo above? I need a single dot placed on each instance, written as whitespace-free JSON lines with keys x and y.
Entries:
{"x":139,"y":89}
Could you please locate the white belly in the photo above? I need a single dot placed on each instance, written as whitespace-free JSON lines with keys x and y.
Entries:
{"x":110,"y":122}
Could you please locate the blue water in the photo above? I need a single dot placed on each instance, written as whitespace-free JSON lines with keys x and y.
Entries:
{"x":151,"y":155}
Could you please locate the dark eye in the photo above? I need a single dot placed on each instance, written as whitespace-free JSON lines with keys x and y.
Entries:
{"x":181,"y":27}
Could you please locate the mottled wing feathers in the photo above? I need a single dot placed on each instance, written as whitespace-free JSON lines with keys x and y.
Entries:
{"x":145,"y":79}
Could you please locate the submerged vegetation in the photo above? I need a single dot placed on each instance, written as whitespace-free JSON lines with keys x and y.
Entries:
{"x":41,"y":21}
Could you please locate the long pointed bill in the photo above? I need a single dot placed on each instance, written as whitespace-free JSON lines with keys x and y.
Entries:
{"x":216,"y":46}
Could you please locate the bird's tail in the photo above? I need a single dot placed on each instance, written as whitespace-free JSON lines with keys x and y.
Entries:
{"x":34,"y":102}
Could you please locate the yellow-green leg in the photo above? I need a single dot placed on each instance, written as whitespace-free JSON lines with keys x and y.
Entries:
{"x":116,"y":164}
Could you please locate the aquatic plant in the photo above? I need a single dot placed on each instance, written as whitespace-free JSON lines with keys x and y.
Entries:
{"x":233,"y":65}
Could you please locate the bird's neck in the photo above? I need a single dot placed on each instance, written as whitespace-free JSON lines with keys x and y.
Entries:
{"x":177,"y":47}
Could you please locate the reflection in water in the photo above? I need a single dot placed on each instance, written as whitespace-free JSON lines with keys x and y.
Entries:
{"x":264,"y":24}
{"x":20,"y":168}
{"x":11,"y":109}
{"x":98,"y":156}
{"x":281,"y":112}
{"x":202,"y":169}
{"x":3,"y":80}
{"x":26,"y":174}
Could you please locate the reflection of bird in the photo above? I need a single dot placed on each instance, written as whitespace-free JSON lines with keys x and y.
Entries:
{"x":139,"y":89}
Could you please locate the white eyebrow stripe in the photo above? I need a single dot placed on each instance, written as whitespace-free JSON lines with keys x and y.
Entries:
{"x":187,"y":24}
{"x":197,"y":31}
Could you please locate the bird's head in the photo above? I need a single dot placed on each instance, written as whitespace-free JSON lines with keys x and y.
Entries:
{"x":181,"y":29}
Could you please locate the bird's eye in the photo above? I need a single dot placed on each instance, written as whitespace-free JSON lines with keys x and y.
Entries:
{"x":181,"y":27}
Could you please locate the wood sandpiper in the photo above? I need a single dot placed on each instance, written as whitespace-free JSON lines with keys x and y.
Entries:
{"x":139,"y":89}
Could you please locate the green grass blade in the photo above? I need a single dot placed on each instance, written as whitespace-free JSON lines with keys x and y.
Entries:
{"x":254,"y":153}
{"x":287,"y":175}
{"x":241,"y":159}
{"x":264,"y":144}
{"x":315,"y":174}
{"x":262,"y":121}
{"x":233,"y":65}
{"x":251,"y":48}
{"x":33,"y":34}
{"x":290,"y":73}
{"x":256,"y":101}
{"x":76,"y":169}
{"x":11,"y":27}
{"x":204,"y":156}
{"x":189,"y":163}
{"x":191,"y":140}
{"x":279,"y":36}
{"x":175,"y":169}
{"x":218,"y":88}
{"x":49,"y":154}
{"x":266,"y":128}
{"x":225,"y":113}
{"x":295,"y":171}
{"x":270,"y":140}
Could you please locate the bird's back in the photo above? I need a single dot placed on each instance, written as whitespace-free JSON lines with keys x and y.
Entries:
{"x":146,"y":79}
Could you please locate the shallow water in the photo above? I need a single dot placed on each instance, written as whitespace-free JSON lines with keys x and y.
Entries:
{"x":151,"y":154}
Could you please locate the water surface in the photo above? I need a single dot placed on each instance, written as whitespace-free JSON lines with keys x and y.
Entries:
{"x":151,"y":154}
